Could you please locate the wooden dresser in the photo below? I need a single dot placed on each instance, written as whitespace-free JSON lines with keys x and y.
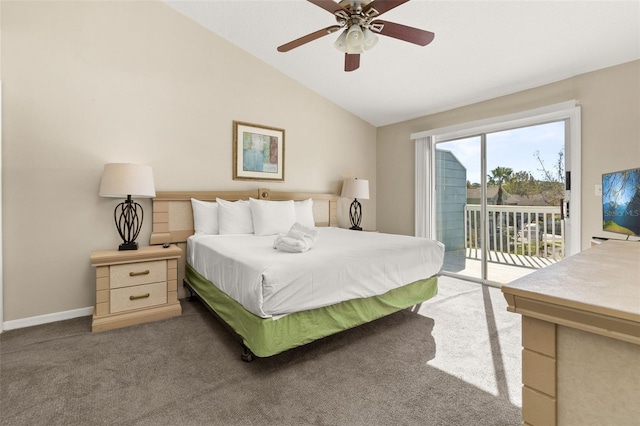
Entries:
{"x":135,"y":286}
{"x":581,"y":338}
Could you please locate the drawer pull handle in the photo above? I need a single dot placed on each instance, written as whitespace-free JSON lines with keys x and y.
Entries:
{"x":142,"y":296}
{"x":135,"y":274}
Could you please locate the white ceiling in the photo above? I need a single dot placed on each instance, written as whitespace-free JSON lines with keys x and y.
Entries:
{"x":482,"y":49}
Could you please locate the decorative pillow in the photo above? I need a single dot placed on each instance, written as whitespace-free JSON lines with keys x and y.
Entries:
{"x":304,"y":213}
{"x":234,"y":217}
{"x":272,"y":217}
{"x":205,"y":217}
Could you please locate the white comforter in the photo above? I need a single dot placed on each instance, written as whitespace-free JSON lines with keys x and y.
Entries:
{"x":343,"y":265}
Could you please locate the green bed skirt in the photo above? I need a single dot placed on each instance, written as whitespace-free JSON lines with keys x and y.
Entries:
{"x":266,"y":336}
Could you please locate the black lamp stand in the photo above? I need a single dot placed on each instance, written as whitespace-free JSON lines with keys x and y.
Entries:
{"x":355,"y":214}
{"x":128,"y":216}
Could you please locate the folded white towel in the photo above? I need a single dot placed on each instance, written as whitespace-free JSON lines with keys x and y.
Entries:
{"x":300,"y":231}
{"x":299,"y":239}
{"x":290,"y":245}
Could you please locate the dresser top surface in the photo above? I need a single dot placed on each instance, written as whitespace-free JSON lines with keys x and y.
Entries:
{"x":604,"y":279}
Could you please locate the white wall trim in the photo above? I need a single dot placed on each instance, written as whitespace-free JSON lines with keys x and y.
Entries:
{"x":495,"y":124}
{"x":48,"y":318}
{"x":574,"y":165}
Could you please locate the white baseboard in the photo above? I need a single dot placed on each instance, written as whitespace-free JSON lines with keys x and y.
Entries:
{"x":45,"y":319}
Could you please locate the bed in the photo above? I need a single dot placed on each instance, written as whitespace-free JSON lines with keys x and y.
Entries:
{"x":297,"y":297}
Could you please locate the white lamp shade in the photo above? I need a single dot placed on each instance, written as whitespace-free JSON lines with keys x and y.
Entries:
{"x":355,"y":188}
{"x":123,"y":179}
{"x":354,"y":35}
{"x":355,"y":40}
{"x":341,"y":42}
{"x":370,"y":39}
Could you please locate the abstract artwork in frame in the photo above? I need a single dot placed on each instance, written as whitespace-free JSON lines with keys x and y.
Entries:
{"x":258,"y":152}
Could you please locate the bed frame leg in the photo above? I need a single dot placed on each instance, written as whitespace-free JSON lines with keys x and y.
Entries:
{"x":247,"y":355}
{"x":192,"y":294}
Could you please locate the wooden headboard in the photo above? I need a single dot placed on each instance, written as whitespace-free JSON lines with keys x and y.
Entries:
{"x":173,"y":217}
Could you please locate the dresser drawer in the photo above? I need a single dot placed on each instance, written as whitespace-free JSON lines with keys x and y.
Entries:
{"x":140,"y":296}
{"x":130,"y":274}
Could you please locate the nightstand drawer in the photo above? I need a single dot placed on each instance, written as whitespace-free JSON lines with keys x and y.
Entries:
{"x":130,"y":274}
{"x":135,"y":286}
{"x":140,"y":296}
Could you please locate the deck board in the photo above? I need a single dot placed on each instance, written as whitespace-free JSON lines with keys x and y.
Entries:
{"x":502,"y":267}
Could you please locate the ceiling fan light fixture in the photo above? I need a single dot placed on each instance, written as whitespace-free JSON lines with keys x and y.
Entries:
{"x":355,"y":35}
{"x":370,"y":39}
{"x":355,"y":39}
{"x":359,"y":30}
{"x":341,"y":42}
{"x":356,"y":49}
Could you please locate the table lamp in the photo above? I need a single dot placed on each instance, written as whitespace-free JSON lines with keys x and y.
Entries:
{"x":355,"y":188}
{"x":127,"y":180}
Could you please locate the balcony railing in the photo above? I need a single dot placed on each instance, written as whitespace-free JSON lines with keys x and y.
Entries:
{"x":523,"y":230}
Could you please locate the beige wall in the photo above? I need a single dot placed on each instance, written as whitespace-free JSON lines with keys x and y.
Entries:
{"x":610,"y":100}
{"x":87,"y":83}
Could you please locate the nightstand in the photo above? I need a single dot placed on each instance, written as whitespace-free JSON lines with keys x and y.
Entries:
{"x":135,"y":286}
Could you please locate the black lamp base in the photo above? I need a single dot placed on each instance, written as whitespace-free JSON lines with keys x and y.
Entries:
{"x":128,"y":216}
{"x":355,"y":215}
{"x":128,"y":246}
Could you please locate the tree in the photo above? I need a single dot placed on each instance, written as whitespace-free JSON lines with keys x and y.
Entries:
{"x":559,"y":168}
{"x":498,"y":176}
{"x":552,"y":187}
{"x":522,"y":183}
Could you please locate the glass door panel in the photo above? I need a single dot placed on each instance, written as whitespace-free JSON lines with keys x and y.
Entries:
{"x":500,"y":218}
{"x":459,"y":222}
{"x":525,"y":186}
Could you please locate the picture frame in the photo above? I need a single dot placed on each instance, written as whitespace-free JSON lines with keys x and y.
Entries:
{"x":258,"y":152}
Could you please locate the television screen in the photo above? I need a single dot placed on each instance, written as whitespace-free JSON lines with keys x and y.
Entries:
{"x":621,"y":202}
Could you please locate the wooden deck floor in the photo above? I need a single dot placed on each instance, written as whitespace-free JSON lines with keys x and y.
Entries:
{"x":502,"y":267}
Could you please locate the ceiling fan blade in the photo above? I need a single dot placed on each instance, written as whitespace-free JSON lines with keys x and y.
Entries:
{"x":309,"y":37}
{"x":351,"y":61}
{"x":330,"y":6}
{"x":378,"y":7}
{"x":402,"y":32}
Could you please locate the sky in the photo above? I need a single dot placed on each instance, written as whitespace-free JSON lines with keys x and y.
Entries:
{"x":514,"y":149}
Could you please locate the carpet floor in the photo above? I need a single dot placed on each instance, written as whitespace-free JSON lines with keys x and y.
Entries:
{"x":453,"y":361}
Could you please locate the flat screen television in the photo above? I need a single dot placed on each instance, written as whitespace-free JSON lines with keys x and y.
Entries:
{"x":621,"y":202}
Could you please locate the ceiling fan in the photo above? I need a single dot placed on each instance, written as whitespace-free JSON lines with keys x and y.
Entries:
{"x":358,"y":18}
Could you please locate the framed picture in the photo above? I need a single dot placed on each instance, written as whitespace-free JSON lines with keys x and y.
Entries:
{"x":258,"y":152}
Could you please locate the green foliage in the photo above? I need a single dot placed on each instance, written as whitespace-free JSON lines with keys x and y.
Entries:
{"x":500,"y":175}
{"x":522,"y":183}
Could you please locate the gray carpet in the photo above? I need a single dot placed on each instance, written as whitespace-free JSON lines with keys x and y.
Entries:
{"x":456,"y":362}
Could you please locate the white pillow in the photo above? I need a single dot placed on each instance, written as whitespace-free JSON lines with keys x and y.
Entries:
{"x":234,"y":217}
{"x":205,"y":217}
{"x":272,"y":217}
{"x":304,"y":213}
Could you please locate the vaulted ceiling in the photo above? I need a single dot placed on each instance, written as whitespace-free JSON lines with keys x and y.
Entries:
{"x":481,"y":50}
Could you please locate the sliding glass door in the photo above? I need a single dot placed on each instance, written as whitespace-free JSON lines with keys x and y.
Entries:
{"x":498,"y":199}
